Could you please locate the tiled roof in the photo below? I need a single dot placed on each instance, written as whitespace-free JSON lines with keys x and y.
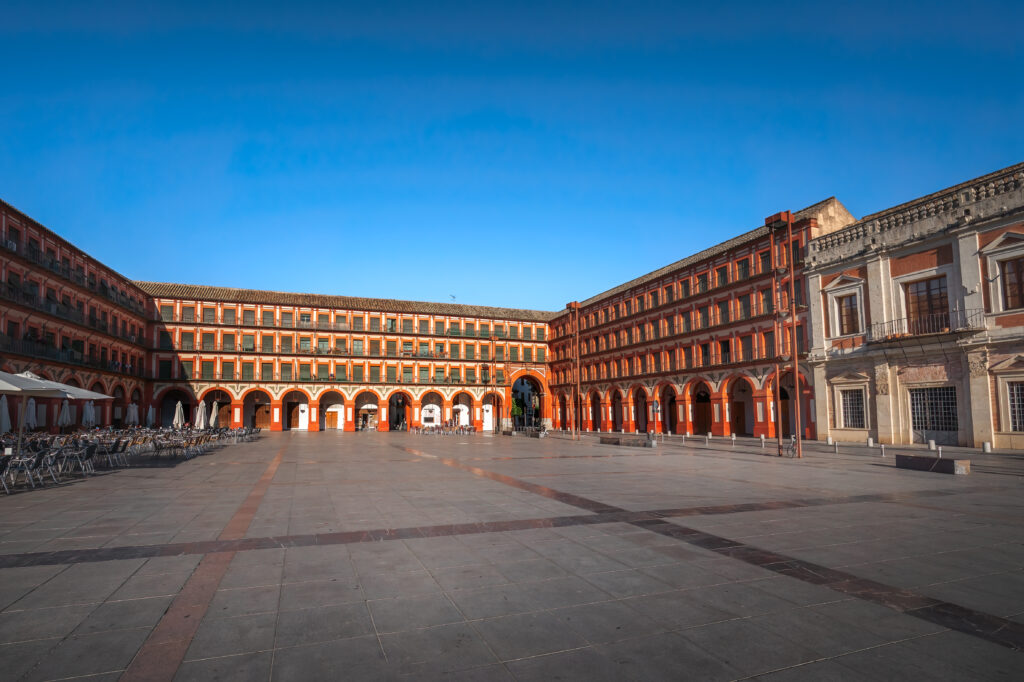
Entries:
{"x":192,"y":292}
{"x":706,"y":254}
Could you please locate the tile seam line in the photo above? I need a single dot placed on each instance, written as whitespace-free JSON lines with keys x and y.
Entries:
{"x":935,"y":611}
{"x":160,"y":656}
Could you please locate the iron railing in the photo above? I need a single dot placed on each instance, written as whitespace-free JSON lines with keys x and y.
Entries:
{"x":972,"y":319}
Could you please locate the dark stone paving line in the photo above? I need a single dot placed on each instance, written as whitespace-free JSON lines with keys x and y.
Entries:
{"x":986,"y":626}
{"x":163,"y":651}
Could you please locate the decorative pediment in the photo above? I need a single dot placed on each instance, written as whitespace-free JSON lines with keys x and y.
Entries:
{"x":1011,"y":364}
{"x":851,"y":377}
{"x":1006,"y":240}
{"x":843,"y":281}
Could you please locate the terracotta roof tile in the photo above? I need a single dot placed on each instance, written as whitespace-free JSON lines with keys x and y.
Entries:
{"x":192,"y":292}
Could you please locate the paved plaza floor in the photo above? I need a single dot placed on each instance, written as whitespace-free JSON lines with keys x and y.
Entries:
{"x":329,"y":556}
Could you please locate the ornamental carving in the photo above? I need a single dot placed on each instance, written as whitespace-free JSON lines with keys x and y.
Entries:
{"x":977,"y":365}
{"x":882,"y":380}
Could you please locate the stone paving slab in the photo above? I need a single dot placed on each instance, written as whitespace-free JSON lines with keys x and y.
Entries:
{"x":393,"y":556}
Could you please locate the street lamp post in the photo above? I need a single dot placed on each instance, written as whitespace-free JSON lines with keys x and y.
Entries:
{"x":574,"y":316}
{"x":777,"y":222}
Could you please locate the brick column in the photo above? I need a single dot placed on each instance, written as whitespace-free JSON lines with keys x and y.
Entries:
{"x":313,"y":423}
{"x":237,"y":414}
{"x":276,"y":415}
{"x":720,"y":425}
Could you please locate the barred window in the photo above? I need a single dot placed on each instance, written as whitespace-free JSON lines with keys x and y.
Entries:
{"x":1017,"y":405}
{"x":849,"y":316}
{"x":933,"y":409}
{"x":853,"y":408}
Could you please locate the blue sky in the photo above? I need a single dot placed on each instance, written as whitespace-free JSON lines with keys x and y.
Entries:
{"x":518,"y":154}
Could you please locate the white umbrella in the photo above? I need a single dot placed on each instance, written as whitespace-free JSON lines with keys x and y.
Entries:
{"x":179,"y":416}
{"x":17,"y":384}
{"x":214,"y":413}
{"x":66,"y":391}
{"x":135,"y":414}
{"x":88,"y":414}
{"x":150,"y":416}
{"x":30,"y":414}
{"x":5,"y":416}
{"x":64,"y":418}
{"x":200,"y":422}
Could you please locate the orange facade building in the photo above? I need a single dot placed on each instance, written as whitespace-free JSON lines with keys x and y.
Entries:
{"x":716,"y":343}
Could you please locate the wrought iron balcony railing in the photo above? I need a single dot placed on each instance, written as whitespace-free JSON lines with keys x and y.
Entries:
{"x":938,"y":323}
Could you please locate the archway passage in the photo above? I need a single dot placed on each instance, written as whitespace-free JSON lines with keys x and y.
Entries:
{"x":669,"y":410}
{"x":701,"y":408}
{"x":332,"y":410}
{"x":462,"y":409}
{"x":170,"y":402}
{"x":223,"y":401}
{"x":563,"y":412}
{"x":741,"y":407}
{"x":256,"y":410}
{"x":366,"y":406}
{"x":595,"y":412}
{"x":577,"y":412}
{"x":120,"y":407}
{"x":491,"y":422}
{"x":431,"y":409}
{"x":295,"y":407}
{"x":640,"y":410}
{"x":398,"y":412}
{"x":616,"y":411}
{"x":526,"y":395}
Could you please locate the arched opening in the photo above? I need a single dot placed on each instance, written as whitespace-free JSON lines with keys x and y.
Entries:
{"x":170,"y":402}
{"x":120,"y":407}
{"x":71,"y":381}
{"x":577,"y":412}
{"x":140,"y":413}
{"x":256,"y":410}
{"x":701,"y":399}
{"x":491,"y":413}
{"x":563,"y":412}
{"x":527,"y":410}
{"x":222,"y":400}
{"x":616,"y":410}
{"x":640,"y":410}
{"x":431,"y":409}
{"x":398,"y":412}
{"x":366,"y":407}
{"x":669,"y":410}
{"x":741,"y":407}
{"x":332,"y":410}
{"x":296,"y":411}
{"x":462,"y":409}
{"x":595,"y":412}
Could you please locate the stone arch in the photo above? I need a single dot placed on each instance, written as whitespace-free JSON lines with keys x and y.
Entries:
{"x":528,"y":396}
{"x":169,"y":401}
{"x":295,"y":410}
{"x":462,"y":409}
{"x":399,"y":410}
{"x":615,"y":402}
{"x":431,"y":409}
{"x":595,"y":411}
{"x":331,"y":404}
{"x":223,"y":398}
{"x":366,"y":406}
{"x":639,"y":399}
{"x":740,"y":404}
{"x":491,"y":411}
{"x":668,"y":408}
{"x":256,"y":408}
{"x":700,"y":393}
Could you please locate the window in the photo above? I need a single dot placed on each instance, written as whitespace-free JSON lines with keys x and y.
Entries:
{"x":724,"y":354}
{"x":439,"y":327}
{"x":268,"y":318}
{"x":357,"y":373}
{"x":746,"y":348}
{"x":722,"y":276}
{"x":1016,"y":405}
{"x":705,"y":355}
{"x":375,"y":347}
{"x":424,"y":375}
{"x":229,"y":317}
{"x":723,"y":312}
{"x":391,"y":348}
{"x":323,"y":372}
{"x":286,"y":372}
{"x":392,"y":375}
{"x":286,"y":343}
{"x":407,"y":375}
{"x":187,"y":341}
{"x":164,"y":371}
{"x":166,"y":311}
{"x":407,"y":326}
{"x":439,"y":375}
{"x":357,"y":346}
{"x":248,"y":369}
{"x":1013,"y":283}
{"x":375,"y":374}
{"x":208,"y":343}
{"x":528,"y":355}
{"x":207,"y":369}
{"x":227,"y":370}
{"x":470,"y":351}
{"x":341,"y":372}
{"x":702,"y":318}
{"x":684,"y":287}
{"x":852,"y":408}
{"x":933,"y":409}
{"x":186,"y":369}
{"x":267,"y":343}
{"x":249,"y":317}
{"x":188,"y":313}
{"x":702,"y":283}
{"x":513,"y":331}
{"x":485,"y":352}
{"x":471,"y":375}
{"x":743,"y":268}
{"x":767,"y":305}
{"x":485,"y":331}
{"x":927,"y":306}
{"x":209,"y":315}
{"x":540,"y":355}
{"x":769,"y":344}
{"x":743,"y":306}
{"x":304,"y":344}
{"x":513,"y":354}
{"x":453,"y":351}
{"x":849,"y":316}
{"x":357,"y":323}
{"x":286,"y":320}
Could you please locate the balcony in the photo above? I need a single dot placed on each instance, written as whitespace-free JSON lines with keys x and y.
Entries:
{"x":954,"y":322}
{"x":44,"y":351}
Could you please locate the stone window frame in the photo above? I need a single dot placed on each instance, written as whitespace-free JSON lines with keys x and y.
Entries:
{"x":844,"y":286}
{"x":840,"y":384}
{"x":898,"y":294}
{"x":1009,"y":245}
{"x":1003,"y":381}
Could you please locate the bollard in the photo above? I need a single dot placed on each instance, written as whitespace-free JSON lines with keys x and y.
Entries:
{"x":705,"y":440}
{"x":871,"y":442}
{"x":882,"y":445}
{"x":940,"y":452}
{"x":762,"y":441}
{"x":709,"y":435}
{"x":986,"y":447}
{"x":828,"y":441}
{"x":931,"y":445}
{"x":734,"y":440}
{"x":835,"y":448}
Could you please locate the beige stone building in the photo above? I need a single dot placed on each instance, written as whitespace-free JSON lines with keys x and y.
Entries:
{"x":918,"y":319}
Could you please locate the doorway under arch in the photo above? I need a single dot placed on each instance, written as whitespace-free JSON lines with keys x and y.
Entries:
{"x":295,"y":416}
{"x":431,"y":409}
{"x":669,"y":410}
{"x":701,"y":401}
{"x":741,"y":407}
{"x":616,"y":410}
{"x":256,"y":410}
{"x":640,"y":410}
{"x":366,"y":407}
{"x":223,"y":401}
{"x":332,"y":411}
{"x":491,"y":411}
{"x":462,"y":409}
{"x":595,"y":412}
{"x":170,"y":401}
{"x":527,"y":396}
{"x":398,"y":412}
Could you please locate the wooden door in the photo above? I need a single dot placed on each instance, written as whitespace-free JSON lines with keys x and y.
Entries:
{"x":293,"y":415}
{"x":331,"y":420}
{"x":701,"y":418}
{"x":784,"y":421}
{"x":224,"y":416}
{"x":261,"y":417}
{"x":739,"y":418}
